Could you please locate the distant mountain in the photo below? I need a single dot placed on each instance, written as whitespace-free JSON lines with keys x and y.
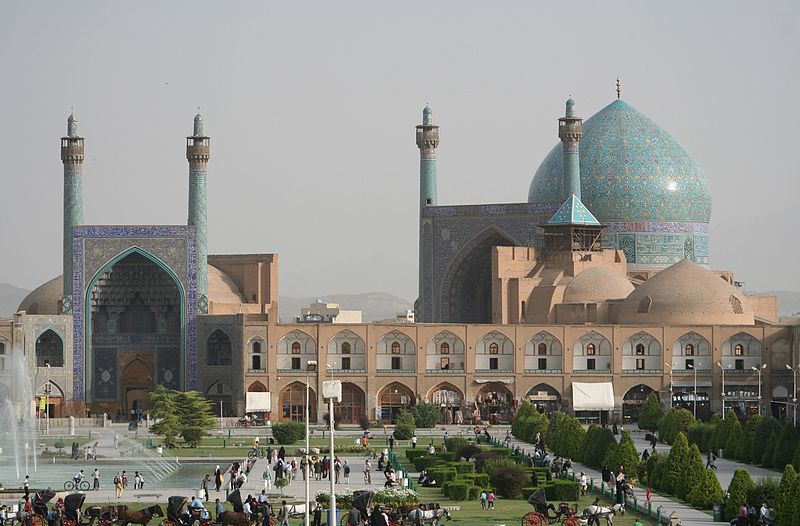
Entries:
{"x":788,"y":301}
{"x":10,"y":298}
{"x":375,"y":306}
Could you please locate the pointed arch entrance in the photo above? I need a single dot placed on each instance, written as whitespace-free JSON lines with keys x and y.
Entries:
{"x":392,"y":399}
{"x":545,"y":397}
{"x":136,"y":382}
{"x":494,"y":403}
{"x":293,"y":403}
{"x":633,"y":401}
{"x":352,"y":407}
{"x":468,"y":289}
{"x":451,"y":401}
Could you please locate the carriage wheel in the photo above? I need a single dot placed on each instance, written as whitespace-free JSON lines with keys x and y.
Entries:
{"x":534,"y":518}
{"x":572,"y":520}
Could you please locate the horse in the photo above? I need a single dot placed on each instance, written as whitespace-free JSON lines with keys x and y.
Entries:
{"x":418,"y":516}
{"x":112,"y":512}
{"x":594,"y":513}
{"x":141,"y":517}
{"x":233,"y":518}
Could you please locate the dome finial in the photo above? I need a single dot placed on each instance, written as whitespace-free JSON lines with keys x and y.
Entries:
{"x":570,"y":112}
{"x":619,"y":89}
{"x":426,"y":114}
{"x":72,"y":124}
{"x":198,"y":124}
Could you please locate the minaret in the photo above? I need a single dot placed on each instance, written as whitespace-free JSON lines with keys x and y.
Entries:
{"x":427,"y":142}
{"x":570,"y":131}
{"x":72,"y":157}
{"x":198,"y":151}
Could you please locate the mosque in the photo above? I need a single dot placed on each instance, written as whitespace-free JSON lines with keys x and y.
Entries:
{"x":588,"y":297}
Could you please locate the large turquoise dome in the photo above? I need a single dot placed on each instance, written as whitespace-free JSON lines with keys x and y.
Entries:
{"x":631,"y":171}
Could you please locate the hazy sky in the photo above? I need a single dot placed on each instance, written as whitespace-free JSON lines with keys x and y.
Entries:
{"x":311,"y":108}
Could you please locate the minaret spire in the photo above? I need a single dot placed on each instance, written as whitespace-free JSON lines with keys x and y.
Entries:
{"x":72,"y":155}
{"x":427,"y":141}
{"x":619,"y":89}
{"x":570,"y":131}
{"x":198,"y":152}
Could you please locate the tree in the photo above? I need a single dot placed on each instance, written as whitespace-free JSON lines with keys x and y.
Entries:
{"x":623,"y":454}
{"x":692,"y":472}
{"x":658,"y":479}
{"x":674,"y":422}
{"x":509,"y":481}
{"x":738,"y":490}
{"x":197,"y":418}
{"x":405,"y":418}
{"x":746,"y":442}
{"x":787,"y":444}
{"x":784,"y":502}
{"x":707,"y":492}
{"x":569,"y":437}
{"x":676,"y":461}
{"x":724,"y":430}
{"x":796,"y":459}
{"x":519,"y":427}
{"x":426,"y":415}
{"x":769,"y":451}
{"x":764,"y":431}
{"x":164,"y":411}
{"x":733,"y":441}
{"x":553,"y":426}
{"x":588,"y":442}
{"x":605,"y":440}
{"x":651,"y":414}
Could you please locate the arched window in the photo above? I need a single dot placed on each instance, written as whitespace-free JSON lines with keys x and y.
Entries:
{"x":542,"y":349}
{"x":345,"y":347}
{"x":256,"y":347}
{"x":296,"y":348}
{"x":395,"y":347}
{"x":590,"y":349}
{"x":494,"y":348}
{"x":2,"y":356}
{"x":639,"y":349}
{"x":49,"y":349}
{"x":218,"y":348}
{"x":444,"y":348}
{"x":738,"y":350}
{"x":689,"y":350}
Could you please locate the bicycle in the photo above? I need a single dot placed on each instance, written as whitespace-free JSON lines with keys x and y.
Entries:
{"x":256,"y":452}
{"x":367,"y":477}
{"x":82,"y":485}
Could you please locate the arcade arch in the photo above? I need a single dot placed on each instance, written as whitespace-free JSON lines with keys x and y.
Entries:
{"x":393,"y":398}
{"x":293,"y":403}
{"x":494,"y":403}
{"x":451,"y":401}
{"x":543,"y":353}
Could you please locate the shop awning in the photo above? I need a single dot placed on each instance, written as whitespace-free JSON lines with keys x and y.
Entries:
{"x":495,"y":380}
{"x":598,"y":396}
{"x":258,"y":402}
{"x":700,"y":383}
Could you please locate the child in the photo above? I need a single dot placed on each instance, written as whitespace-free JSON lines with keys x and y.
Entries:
{"x":483,"y":501}
{"x":490,"y":499}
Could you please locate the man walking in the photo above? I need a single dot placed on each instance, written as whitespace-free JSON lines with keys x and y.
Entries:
{"x":118,"y":485}
{"x":96,"y":479}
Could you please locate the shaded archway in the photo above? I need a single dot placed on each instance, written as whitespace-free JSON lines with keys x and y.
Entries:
{"x":136,"y":383}
{"x":218,"y":348}
{"x":220,"y":396}
{"x":494,"y":403}
{"x":352,"y":408}
{"x":392,"y":399}
{"x":293,"y":403}
{"x":699,"y":403}
{"x":633,"y":401}
{"x":469,"y":295}
{"x":545,"y":397}
{"x":54,"y":398}
{"x":451,"y":400}
{"x":49,"y":349}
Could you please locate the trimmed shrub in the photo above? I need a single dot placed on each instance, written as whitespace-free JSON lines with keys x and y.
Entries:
{"x":733,"y":441}
{"x":787,"y":444}
{"x":724,"y":430}
{"x":481,"y":479}
{"x":520,"y":427}
{"x":692,"y":472}
{"x":623,"y":454}
{"x":469,"y":451}
{"x":482,"y":458}
{"x":768,"y":455}
{"x":696,"y":433}
{"x":674,"y":422}
{"x":288,"y":432}
{"x":458,"y":492}
{"x":499,"y":462}
{"x":426,"y":415}
{"x":707,"y":492}
{"x":456,"y":444}
{"x":588,"y":442}
{"x":403,"y":432}
{"x":599,"y":449}
{"x":658,"y":478}
{"x":500,"y":451}
{"x":746,"y":441}
{"x":569,"y":437}
{"x":553,"y":425}
{"x":646,"y":473}
{"x":405,"y":418}
{"x":676,"y":462}
{"x":412,"y":454}
{"x":738,"y":491}
{"x":764,"y":431}
{"x":450,"y":456}
{"x":651,"y":414}
{"x":765,"y":490}
{"x":474,"y":492}
{"x":562,"y":490}
{"x":796,"y":459}
{"x":527,"y":491}
{"x":509,"y":481}
{"x":783,"y":503}
{"x":425,"y":462}
{"x":464,"y":467}
{"x":442,"y":474}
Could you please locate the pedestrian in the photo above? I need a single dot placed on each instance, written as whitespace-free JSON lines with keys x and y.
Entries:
{"x":353,"y":517}
{"x":94,"y":451}
{"x":246,"y":510}
{"x":645,"y":455}
{"x":483,"y":500}
{"x":136,"y":480}
{"x":27,"y":512}
{"x":218,"y":508}
{"x":391,"y":443}
{"x":446,"y":436}
{"x":431,"y":449}
{"x":118,"y":485}
{"x":26,"y":484}
{"x":141,"y":480}
{"x":414,"y":442}
{"x":267,"y":476}
{"x":85,"y":453}
{"x":318,"y":470}
{"x":204,"y":485}
{"x":282,"y":453}
{"x":304,"y":466}
{"x":217,"y":478}
{"x":584,"y":484}
{"x":96,"y":479}
{"x":710,"y":458}
{"x":490,"y":499}
{"x":605,"y":473}
{"x":346,"y":470}
{"x":337,"y":468}
{"x":283,"y":515}
{"x":325,"y":466}
{"x":649,"y":495}
{"x":124,"y":479}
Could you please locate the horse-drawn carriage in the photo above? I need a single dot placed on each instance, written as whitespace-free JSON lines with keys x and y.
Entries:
{"x":179,"y":513}
{"x":541,"y":514}
{"x":237,"y":516}
{"x":428,"y":514}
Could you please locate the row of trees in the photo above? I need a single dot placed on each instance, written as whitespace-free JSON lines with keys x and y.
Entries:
{"x":759,"y":440}
{"x":783,"y":497}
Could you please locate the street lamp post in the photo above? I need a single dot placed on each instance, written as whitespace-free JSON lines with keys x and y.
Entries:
{"x":694,"y":401}
{"x":723,"y":388}
{"x":311,"y":366}
{"x":47,"y":400}
{"x":670,"y":383}
{"x":758,"y":370}
{"x":333,"y":392}
{"x":794,"y":391}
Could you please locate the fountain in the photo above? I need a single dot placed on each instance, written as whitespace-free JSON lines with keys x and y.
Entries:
{"x":18,"y":416}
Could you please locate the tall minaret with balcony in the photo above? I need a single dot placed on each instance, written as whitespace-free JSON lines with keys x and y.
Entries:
{"x":427,"y":142}
{"x":198,"y":152}
{"x":570,"y":131}
{"x":72,"y":157}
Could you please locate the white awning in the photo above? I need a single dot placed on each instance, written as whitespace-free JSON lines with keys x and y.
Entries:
{"x":598,"y":396}
{"x":700,"y":383}
{"x":258,"y":402}
{"x":495,"y":381}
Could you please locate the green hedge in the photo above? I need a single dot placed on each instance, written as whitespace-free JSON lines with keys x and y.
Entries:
{"x":474,"y":492}
{"x":411,"y":454}
{"x":562,"y":490}
{"x":442,"y":475}
{"x":288,"y":432}
{"x":457,"y":492}
{"x":481,"y":479}
{"x":502,"y":451}
{"x":527,"y":491}
{"x":464,"y":467}
{"x":426,"y":462}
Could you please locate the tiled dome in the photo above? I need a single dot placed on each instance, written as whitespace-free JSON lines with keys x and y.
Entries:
{"x":631,"y":170}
